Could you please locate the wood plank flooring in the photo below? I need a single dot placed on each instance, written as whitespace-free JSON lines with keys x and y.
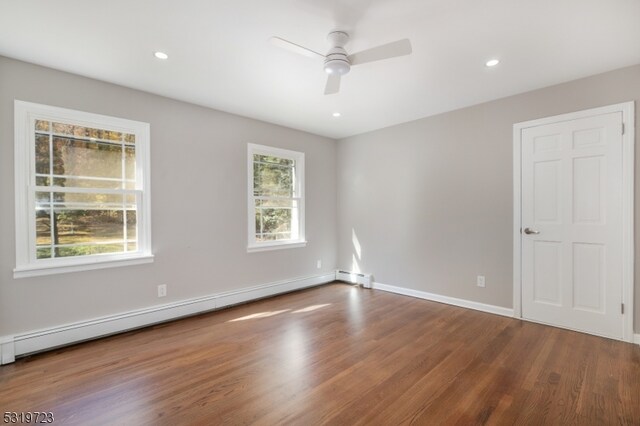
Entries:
{"x":338,"y":355}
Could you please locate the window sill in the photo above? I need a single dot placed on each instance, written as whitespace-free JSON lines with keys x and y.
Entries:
{"x":275,"y":246}
{"x":84,"y":265}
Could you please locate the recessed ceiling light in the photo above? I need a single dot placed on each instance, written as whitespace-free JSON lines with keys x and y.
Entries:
{"x":161,"y":55}
{"x":336,"y":114}
{"x":492,"y":62}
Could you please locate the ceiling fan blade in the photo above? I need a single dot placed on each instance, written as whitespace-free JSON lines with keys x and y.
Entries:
{"x":385,"y":51}
{"x":333,"y":85}
{"x":296,"y":48}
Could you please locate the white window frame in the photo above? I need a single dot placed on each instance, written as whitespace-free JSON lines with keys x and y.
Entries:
{"x":27,"y":265}
{"x":298,"y":157}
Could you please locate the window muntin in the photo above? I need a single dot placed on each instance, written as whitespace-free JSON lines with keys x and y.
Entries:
{"x":276,"y":201}
{"x":81,"y":190}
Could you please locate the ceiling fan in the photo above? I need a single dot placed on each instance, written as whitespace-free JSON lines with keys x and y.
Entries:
{"x":338,"y":63}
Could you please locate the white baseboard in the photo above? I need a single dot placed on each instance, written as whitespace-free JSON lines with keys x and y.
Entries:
{"x":636,"y":339}
{"x":492,"y":309}
{"x":39,"y":340}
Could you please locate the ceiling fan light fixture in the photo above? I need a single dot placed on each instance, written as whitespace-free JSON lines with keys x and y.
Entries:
{"x":337,"y":62}
{"x":336,"y":67}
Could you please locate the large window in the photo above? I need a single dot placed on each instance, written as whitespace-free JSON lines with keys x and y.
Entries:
{"x":82,"y":196}
{"x":276,"y":198}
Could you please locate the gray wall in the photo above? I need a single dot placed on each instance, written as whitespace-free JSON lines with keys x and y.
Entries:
{"x":198,"y":196}
{"x":430,"y":201}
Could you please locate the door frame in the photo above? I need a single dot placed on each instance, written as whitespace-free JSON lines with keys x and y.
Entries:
{"x":628,"y":160}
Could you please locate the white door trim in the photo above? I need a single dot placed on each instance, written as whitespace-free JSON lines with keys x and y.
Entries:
{"x":628,"y":158}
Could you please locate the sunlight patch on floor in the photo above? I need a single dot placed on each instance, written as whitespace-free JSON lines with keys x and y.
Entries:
{"x":259,"y":315}
{"x":311,"y":308}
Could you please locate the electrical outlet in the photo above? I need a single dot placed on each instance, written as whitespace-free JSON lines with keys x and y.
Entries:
{"x":480,"y":281}
{"x":162,"y":290}
{"x":319,"y":264}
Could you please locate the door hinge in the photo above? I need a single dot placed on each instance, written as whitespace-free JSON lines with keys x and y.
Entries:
{"x":622,"y":308}
{"x":623,"y":128}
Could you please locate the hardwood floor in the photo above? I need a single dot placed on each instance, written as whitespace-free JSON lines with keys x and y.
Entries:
{"x":339,"y":355}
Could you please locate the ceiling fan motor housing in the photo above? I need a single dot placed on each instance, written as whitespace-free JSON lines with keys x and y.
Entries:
{"x":336,"y":62}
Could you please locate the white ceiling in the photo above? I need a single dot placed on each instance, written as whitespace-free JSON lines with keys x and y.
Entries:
{"x":220,"y":57}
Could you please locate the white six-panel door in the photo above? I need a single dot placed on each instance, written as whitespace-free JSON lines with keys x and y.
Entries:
{"x":571,"y":218}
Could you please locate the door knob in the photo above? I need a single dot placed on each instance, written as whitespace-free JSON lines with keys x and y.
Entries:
{"x":530,"y":231}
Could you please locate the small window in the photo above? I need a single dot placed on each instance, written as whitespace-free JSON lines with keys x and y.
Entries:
{"x":82,"y":198}
{"x":276,"y":198}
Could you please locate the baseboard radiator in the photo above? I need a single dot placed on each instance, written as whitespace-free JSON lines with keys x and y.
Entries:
{"x":354,"y":278}
{"x":33,"y":341}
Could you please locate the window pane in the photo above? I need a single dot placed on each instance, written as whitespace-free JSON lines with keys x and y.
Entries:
{"x":85,"y":250}
{"x":88,"y":201}
{"x":275,"y":160}
{"x":258,"y":225}
{"x":128,"y":138}
{"x":130,"y":162}
{"x":82,"y":158}
{"x":42,"y":154}
{"x":42,"y":181}
{"x":43,"y":253}
{"x":42,"y":126}
{"x":273,"y":237}
{"x":43,"y":199}
{"x":132,"y":222}
{"x":83,"y":232}
{"x":272,"y":180}
{"x":86,"y":132}
{"x":88,"y":183}
{"x":88,"y":226}
{"x":276,"y":220}
{"x":43,"y":227}
{"x":277,"y":202}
